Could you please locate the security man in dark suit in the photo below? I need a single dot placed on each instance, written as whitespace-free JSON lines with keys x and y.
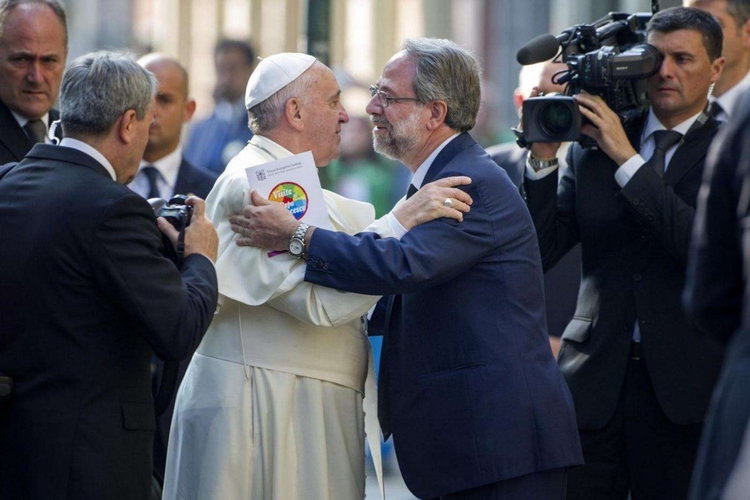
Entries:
{"x":640,"y":375}
{"x":88,"y":297}
{"x":163,"y":173}
{"x":33,"y":49}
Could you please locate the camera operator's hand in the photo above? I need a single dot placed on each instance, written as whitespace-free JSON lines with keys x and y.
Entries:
{"x":540,"y":150}
{"x":200,"y":235}
{"x":264,"y":224}
{"x":607,"y":128}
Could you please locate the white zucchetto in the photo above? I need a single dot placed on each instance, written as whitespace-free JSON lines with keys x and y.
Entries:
{"x":273,"y":74}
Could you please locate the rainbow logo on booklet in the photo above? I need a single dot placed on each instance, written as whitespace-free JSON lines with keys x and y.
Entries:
{"x":292,"y":196}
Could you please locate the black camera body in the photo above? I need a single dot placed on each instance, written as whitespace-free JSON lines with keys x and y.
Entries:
{"x":176,"y":212}
{"x":179,"y":215}
{"x":608,"y":58}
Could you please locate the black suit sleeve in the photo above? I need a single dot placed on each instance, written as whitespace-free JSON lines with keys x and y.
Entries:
{"x":656,"y":205}
{"x":173,"y":308}
{"x":552,"y":207}
{"x":714,"y":288}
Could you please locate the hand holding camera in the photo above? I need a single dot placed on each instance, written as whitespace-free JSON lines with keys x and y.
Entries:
{"x":188,"y":215}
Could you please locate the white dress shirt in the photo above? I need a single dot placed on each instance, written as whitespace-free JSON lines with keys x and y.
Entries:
{"x":168,"y":168}
{"x":71,"y":143}
{"x":729,"y":99}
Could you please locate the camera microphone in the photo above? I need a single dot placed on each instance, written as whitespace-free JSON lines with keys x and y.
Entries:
{"x":540,"y":49}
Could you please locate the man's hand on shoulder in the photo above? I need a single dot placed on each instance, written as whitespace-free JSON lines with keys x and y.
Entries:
{"x":200,"y":235}
{"x":434,"y":200}
{"x":264,"y":224}
{"x":605,"y":128}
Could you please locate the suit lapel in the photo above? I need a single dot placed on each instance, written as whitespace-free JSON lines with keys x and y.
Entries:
{"x":691,"y":153}
{"x":13,"y":136}
{"x":460,"y":143}
{"x":182,"y":183}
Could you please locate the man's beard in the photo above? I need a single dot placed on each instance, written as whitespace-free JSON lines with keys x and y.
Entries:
{"x":398,"y":139}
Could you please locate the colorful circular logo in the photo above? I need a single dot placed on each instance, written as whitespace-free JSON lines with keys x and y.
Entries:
{"x":292,"y":196}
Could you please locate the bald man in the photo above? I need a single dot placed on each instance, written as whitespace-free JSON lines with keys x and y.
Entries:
{"x":164,"y":171}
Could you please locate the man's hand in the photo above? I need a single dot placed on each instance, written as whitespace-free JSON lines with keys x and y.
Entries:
{"x":200,"y":235}
{"x":540,"y":150}
{"x":605,"y":128}
{"x":429,"y":202}
{"x":264,"y":224}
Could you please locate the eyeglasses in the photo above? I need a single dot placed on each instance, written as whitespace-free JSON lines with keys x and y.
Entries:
{"x":384,"y":99}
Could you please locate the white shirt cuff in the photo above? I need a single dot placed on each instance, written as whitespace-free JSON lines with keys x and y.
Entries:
{"x":398,"y":230}
{"x":628,"y":169}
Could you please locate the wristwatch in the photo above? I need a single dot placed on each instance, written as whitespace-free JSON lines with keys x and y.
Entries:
{"x":537,"y":165}
{"x":297,"y":243}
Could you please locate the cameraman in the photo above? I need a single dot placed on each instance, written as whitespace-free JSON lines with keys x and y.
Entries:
{"x":87,"y":297}
{"x":640,"y":376}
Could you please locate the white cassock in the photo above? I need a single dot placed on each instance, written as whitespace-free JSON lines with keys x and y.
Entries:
{"x":271,"y":407}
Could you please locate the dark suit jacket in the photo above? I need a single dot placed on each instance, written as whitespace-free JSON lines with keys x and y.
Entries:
{"x":86,"y":300}
{"x":561,"y":282}
{"x":634,"y":243}
{"x":714,"y":296}
{"x":214,"y":141}
{"x":475,"y":395}
{"x":14,"y":143}
{"x":194,"y":180}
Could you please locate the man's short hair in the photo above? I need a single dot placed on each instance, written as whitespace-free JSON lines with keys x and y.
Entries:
{"x":445,"y":71}
{"x":98,"y":88}
{"x":225,"y":45}
{"x":7,"y":6}
{"x":267,"y":115}
{"x":739,"y":10}
{"x":690,"y":18}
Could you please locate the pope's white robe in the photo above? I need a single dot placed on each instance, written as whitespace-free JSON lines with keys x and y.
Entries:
{"x":271,"y":404}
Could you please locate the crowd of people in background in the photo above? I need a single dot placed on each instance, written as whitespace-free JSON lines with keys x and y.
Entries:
{"x":558,"y":321}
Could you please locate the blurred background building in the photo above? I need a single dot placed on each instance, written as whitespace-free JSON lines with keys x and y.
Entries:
{"x":355,"y":37}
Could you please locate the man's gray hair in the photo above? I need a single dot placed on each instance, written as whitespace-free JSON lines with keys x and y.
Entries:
{"x":98,"y":88}
{"x":267,"y":115}
{"x":447,"y":72}
{"x":7,"y":6}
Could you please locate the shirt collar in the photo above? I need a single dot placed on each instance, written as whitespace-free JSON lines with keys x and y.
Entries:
{"x":421,"y":172}
{"x":728,"y":99}
{"x":266,"y":145}
{"x":22,"y":120}
{"x":168,"y":166}
{"x":653,"y":125}
{"x":81,"y":146}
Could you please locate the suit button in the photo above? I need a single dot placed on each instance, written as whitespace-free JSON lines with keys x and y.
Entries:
{"x":325,"y":266}
{"x":636,"y":201}
{"x":637,"y":277}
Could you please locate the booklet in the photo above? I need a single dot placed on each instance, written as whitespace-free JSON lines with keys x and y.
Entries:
{"x":294,"y":182}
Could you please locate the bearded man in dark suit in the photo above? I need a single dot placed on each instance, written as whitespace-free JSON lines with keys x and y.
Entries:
{"x":33,"y":49}
{"x":88,"y":297}
{"x":640,"y":375}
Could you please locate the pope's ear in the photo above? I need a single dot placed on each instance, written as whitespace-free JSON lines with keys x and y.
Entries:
{"x":293,"y":114}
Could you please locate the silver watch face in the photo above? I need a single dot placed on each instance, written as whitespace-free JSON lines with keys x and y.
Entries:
{"x":296,"y":247}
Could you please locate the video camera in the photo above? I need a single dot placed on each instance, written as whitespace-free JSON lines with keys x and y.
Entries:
{"x":608,"y":58}
{"x":179,"y":215}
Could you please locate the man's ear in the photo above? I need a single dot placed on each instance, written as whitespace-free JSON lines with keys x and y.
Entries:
{"x":438,"y":112}
{"x":187,"y":114}
{"x":716,"y":68}
{"x":125,"y":126}
{"x":293,"y":114}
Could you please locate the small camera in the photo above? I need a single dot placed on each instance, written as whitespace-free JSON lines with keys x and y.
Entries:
{"x":176,"y":212}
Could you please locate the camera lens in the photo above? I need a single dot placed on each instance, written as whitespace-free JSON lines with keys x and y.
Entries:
{"x":556,"y":119}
